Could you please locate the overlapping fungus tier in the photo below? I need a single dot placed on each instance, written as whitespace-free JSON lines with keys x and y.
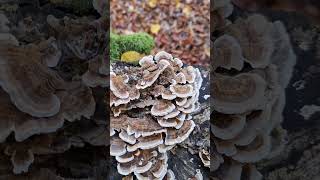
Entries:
{"x":156,"y":118}
{"x":36,"y":99}
{"x":252,"y":64}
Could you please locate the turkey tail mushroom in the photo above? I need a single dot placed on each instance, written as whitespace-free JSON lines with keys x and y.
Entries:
{"x":166,"y":94}
{"x":253,"y":63}
{"x":31,"y":85}
{"x":227,"y":53}
{"x":238,"y":94}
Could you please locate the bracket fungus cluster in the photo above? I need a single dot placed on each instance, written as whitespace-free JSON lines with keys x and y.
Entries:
{"x":34,"y":98}
{"x":252,"y":65}
{"x":152,"y":106}
{"x":42,"y":113}
{"x":97,"y":74}
{"x":80,"y":38}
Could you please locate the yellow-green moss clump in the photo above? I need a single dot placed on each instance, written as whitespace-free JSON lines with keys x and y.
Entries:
{"x":141,"y":43}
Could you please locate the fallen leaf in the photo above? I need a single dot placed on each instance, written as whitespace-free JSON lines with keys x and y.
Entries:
{"x":155,"y":28}
{"x":178,"y":4}
{"x":187,"y":10}
{"x":152,"y":3}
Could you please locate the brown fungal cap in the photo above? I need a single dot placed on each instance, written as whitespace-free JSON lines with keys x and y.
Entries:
{"x":151,"y":74}
{"x":31,"y":85}
{"x":255,"y":151}
{"x":97,"y":73}
{"x":145,"y":126}
{"x":148,"y":142}
{"x":177,"y":136}
{"x":75,"y":103}
{"x":118,"y":86}
{"x":81,"y":37}
{"x":163,"y":55}
{"x":227,"y":53}
{"x":227,"y":126}
{"x":162,"y":108}
{"x":254,"y":36}
{"x":182,"y":91}
{"x":167,"y":94}
{"x":146,"y":61}
{"x":22,"y":124}
{"x":189,"y":73}
{"x":141,"y":163}
{"x":117,"y":147}
{"x":238,"y":94}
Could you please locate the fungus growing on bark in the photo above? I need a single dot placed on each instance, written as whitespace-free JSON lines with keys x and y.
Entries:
{"x":182,"y":91}
{"x":30,"y":84}
{"x":174,"y":136}
{"x":162,"y":108}
{"x":238,"y":94}
{"x":25,"y":155}
{"x":45,"y":108}
{"x":81,"y":38}
{"x":163,"y":105}
{"x":96,"y":75}
{"x":151,"y":74}
{"x":74,"y":104}
{"x":77,"y":102}
{"x":254,"y":35}
{"x":227,"y":126}
{"x":227,"y":53}
{"x":248,"y":100}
